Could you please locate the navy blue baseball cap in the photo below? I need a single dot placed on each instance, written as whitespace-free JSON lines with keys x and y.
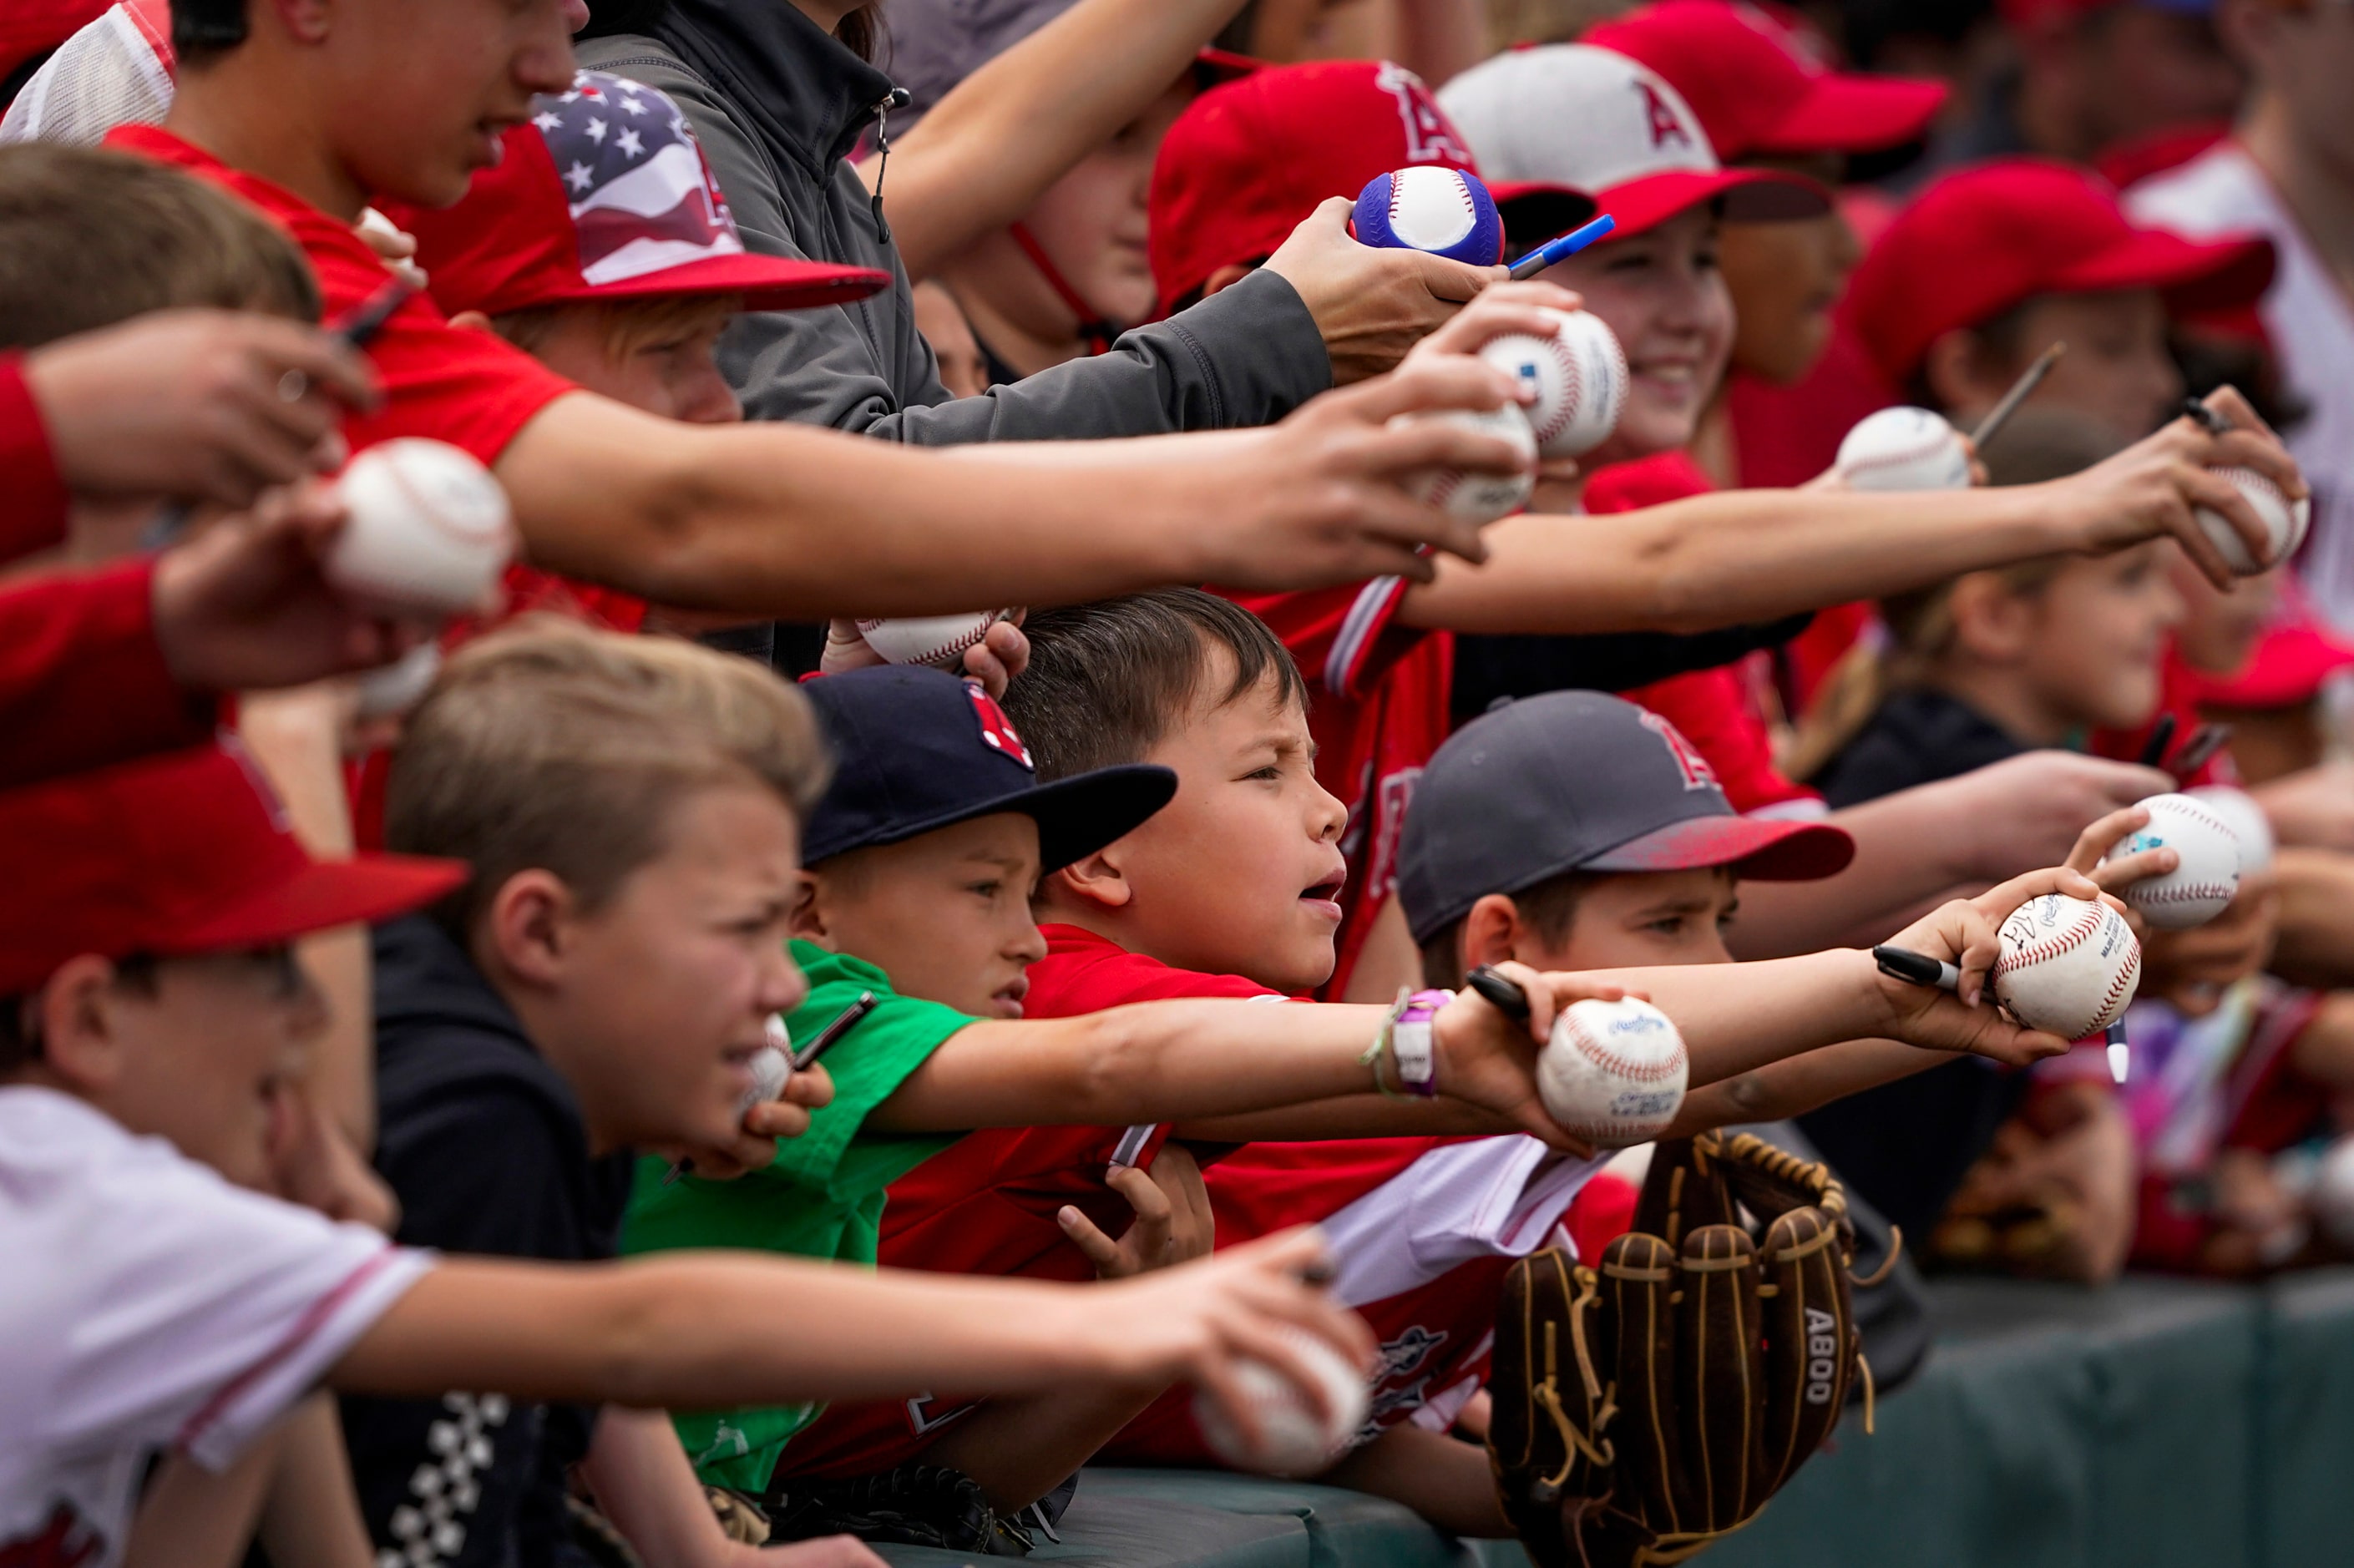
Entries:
{"x":1581,"y":781}
{"x":917,"y":748}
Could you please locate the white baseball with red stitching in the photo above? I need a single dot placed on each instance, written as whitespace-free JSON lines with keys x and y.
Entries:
{"x":2203,"y":886}
{"x":426,"y":527}
{"x":1579,"y":376}
{"x":2245,"y":819}
{"x":2067,"y":966}
{"x":1613,"y":1072}
{"x":1479,"y":497}
{"x":938,"y":640}
{"x":1293,"y":1440}
{"x":1904,"y":448}
{"x":2285,"y":522}
{"x":1431,"y":208}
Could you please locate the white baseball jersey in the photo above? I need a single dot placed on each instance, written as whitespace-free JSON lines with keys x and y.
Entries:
{"x":150,"y":1306}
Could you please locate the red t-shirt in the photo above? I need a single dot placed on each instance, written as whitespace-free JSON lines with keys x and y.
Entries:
{"x":83,"y":682}
{"x":35,"y":517}
{"x":1718,"y":710}
{"x":1377,"y":710}
{"x":467,"y":388}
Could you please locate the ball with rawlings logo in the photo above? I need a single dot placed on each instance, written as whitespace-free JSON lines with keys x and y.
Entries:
{"x":1613,"y":1073}
{"x":1293,"y":1439}
{"x":1479,"y":498}
{"x":2285,"y":522}
{"x":1904,"y":448}
{"x":1579,"y":376}
{"x":2066,"y":966}
{"x":2208,"y":877}
{"x":1445,"y":212}
{"x":937,"y":639}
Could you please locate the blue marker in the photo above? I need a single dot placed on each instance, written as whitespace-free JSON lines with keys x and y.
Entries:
{"x":1569,"y":244}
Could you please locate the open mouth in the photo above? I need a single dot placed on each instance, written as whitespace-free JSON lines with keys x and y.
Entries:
{"x":1324,"y":897}
{"x":1008,"y":998}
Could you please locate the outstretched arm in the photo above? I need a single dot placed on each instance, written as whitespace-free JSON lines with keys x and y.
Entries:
{"x":781,"y":520}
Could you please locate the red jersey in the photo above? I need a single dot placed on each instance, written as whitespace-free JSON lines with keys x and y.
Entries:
{"x":82,"y":681}
{"x":1720,"y":711}
{"x":35,"y":518}
{"x":1377,"y":710}
{"x":2180,"y":687}
{"x":468,"y":388}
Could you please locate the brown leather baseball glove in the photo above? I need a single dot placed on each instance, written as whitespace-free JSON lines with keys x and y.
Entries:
{"x":1647,"y":1406}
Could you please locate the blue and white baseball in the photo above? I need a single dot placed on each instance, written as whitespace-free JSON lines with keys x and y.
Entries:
{"x":1445,"y":212}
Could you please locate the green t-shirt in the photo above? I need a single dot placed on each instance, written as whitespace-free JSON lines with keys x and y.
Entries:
{"x":822,"y":1198}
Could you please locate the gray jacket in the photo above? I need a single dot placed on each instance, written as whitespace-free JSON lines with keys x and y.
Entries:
{"x":778,"y":105}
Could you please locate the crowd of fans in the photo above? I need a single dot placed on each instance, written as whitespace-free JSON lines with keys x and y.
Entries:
{"x":378,"y":1170}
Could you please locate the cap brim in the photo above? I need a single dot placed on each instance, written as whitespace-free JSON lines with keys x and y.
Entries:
{"x":766,"y":283}
{"x":1750,"y":196}
{"x":322,"y":895}
{"x":1534,"y":211}
{"x":2288,"y":667}
{"x":1075,"y":816}
{"x":2193,"y":275}
{"x":1216,"y":68}
{"x":1757,"y":848}
{"x":1856,"y":114}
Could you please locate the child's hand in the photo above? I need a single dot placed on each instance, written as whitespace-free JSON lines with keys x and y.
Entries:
{"x":2192,"y":968}
{"x":1002,"y":654}
{"x":312,"y":1163}
{"x":754,"y":1147}
{"x":1498,"y":309}
{"x":1965,"y":933}
{"x":2122,"y":873}
{"x":1193,"y":1323}
{"x":1173,"y":1222}
{"x":1486,"y":1060}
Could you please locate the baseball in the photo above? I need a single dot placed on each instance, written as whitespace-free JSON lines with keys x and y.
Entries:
{"x":770,"y":1068}
{"x":1479,"y":497}
{"x":1904,"y":448}
{"x":939,"y":639}
{"x":2245,"y":819}
{"x":1293,"y":1440}
{"x":1579,"y":376}
{"x":396,"y":687}
{"x":2067,"y":966}
{"x":1613,"y":1072}
{"x":428,"y":527}
{"x":2285,"y":525}
{"x":1443,"y":211}
{"x":2207,"y":878}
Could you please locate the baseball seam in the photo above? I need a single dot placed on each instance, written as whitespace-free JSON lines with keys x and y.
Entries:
{"x":2051,"y":947}
{"x":1610,"y":1061}
{"x":1928,"y":447}
{"x":2201,"y":815}
{"x":939,"y":652}
{"x":2184,"y":893}
{"x":1462,"y":194}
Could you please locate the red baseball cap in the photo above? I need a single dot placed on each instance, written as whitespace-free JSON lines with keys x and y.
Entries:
{"x":1573,"y":117}
{"x":1982,"y":239}
{"x":605,"y":195}
{"x":1249,"y":160}
{"x":1756,"y":88}
{"x":176,"y":855}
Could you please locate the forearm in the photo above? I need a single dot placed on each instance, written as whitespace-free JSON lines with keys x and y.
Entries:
{"x":1443,"y":1478}
{"x":701,"y":1331}
{"x":2317,"y":940}
{"x":1798,"y":1085}
{"x":310,"y":1518}
{"x":643,"y":1482}
{"x":290,"y":1484}
{"x":1160,"y":1061}
{"x":1717,"y":560}
{"x":1020,"y":1450}
{"x":992,"y":147}
{"x":1738,"y":1018}
{"x":1910,"y":856}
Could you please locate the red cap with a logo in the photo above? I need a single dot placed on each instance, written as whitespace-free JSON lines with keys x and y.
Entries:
{"x":604,"y":194}
{"x":1756,"y":88}
{"x":1986,"y":238}
{"x":173,"y":856}
{"x":1573,"y":116}
{"x":1247,"y":162}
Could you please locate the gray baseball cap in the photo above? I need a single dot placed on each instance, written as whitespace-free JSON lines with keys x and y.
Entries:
{"x":1581,"y":781}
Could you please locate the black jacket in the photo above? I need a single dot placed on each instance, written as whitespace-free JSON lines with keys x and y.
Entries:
{"x":482,"y":1141}
{"x":1917,"y":737}
{"x":778,"y":105}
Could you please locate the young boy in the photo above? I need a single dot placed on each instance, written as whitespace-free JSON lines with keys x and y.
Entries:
{"x":1227,"y":892}
{"x":1380,"y":655}
{"x":921,"y":858}
{"x":155,"y":1019}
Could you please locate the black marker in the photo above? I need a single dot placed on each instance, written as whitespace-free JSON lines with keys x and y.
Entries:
{"x":2161,"y":735}
{"x":2206,"y":418}
{"x":2204,"y":741}
{"x":1917,"y":968}
{"x":842,"y":1023}
{"x":1503,"y":994}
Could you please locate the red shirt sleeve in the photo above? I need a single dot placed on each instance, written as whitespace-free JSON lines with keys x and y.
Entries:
{"x":35,"y":517}
{"x":83,"y":682}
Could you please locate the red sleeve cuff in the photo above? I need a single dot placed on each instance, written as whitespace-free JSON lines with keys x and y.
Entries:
{"x":83,"y":679}
{"x":33,"y":518}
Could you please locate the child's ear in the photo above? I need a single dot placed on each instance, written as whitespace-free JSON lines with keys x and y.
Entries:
{"x":74,"y":1013}
{"x":1095,"y":883}
{"x":1490,"y":932}
{"x":527,"y":926}
{"x":806,"y":920}
{"x":1226,"y":277}
{"x":1956,"y":370}
{"x":472,"y":320}
{"x":309,"y":21}
{"x":1992,"y":621}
